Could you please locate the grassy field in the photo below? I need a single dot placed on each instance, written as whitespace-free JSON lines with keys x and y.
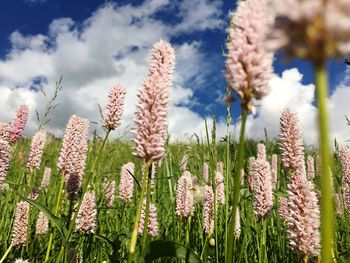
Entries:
{"x":110,"y":242}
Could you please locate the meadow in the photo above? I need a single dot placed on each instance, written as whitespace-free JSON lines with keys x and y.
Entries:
{"x":88,"y":198}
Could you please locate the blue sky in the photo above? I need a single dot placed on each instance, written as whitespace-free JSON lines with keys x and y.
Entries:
{"x":41,"y":33}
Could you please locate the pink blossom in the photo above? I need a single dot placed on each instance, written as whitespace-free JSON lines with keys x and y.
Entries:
{"x":114,"y":107}
{"x":36,"y":150}
{"x":5,"y":155}
{"x":152,"y":227}
{"x":19,"y":123}
{"x":220,"y":188}
{"x":87,"y":214}
{"x":5,"y":131}
{"x":126,"y":185}
{"x":208,"y":210}
{"x":19,"y":232}
{"x":249,"y":64}
{"x":184,"y":196}
{"x":153,"y":106}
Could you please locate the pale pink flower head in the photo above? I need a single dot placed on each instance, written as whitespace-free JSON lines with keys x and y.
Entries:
{"x":19,"y":260}
{"x":249,"y":64}
{"x":205,"y":172}
{"x":237,"y":229}
{"x":73,"y":154}
{"x":152,"y":227}
{"x":304,"y":215}
{"x":251,"y":172}
{"x":5,"y":155}
{"x":291,"y":143}
{"x":46,"y":177}
{"x":274,"y":170}
{"x":19,"y":123}
{"x":345,"y":163}
{"x":208,"y":210}
{"x":109,"y":192}
{"x":311,"y":29}
{"x":114,"y":107}
{"x":42,"y":224}
{"x":220,"y":188}
{"x":261,"y":151}
{"x":153,"y":106}
{"x":87,"y":214}
{"x":5,"y":131}
{"x":262,"y":188}
{"x":184,"y":196}
{"x":126,"y":185}
{"x":36,"y":150}
{"x":283,"y":208}
{"x":19,"y":231}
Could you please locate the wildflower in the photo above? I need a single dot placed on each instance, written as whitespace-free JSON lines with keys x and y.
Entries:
{"x":19,"y":260}
{"x":220,"y":188}
{"x":290,"y":141}
{"x":261,"y":151}
{"x":249,"y":64}
{"x":304,"y":215}
{"x":208,"y":210}
{"x":262,"y":188}
{"x":184,"y":196}
{"x":345,"y":164}
{"x":18,"y":123}
{"x":73,"y":154}
{"x":274,"y":170}
{"x":19,"y":232}
{"x":87,"y":214}
{"x":42,"y":224}
{"x":154,"y":104}
{"x":237,"y":229}
{"x":46,"y":178}
{"x":4,"y":131}
{"x":109,"y":192}
{"x":126,"y":185}
{"x":152,"y":228}
{"x":311,"y":29}
{"x":115,"y":107}
{"x":5,"y":155}
{"x":36,"y":150}
{"x":283,"y":208}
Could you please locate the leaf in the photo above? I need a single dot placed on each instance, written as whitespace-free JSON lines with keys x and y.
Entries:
{"x":163,"y":248}
{"x":54,"y":219}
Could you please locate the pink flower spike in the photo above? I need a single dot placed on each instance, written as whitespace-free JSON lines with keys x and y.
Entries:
{"x":126,"y":185}
{"x":153,"y":106}
{"x":36,"y":150}
{"x":114,"y":107}
{"x":18,"y":124}
{"x":87,"y":214}
{"x":19,"y":232}
{"x":5,"y":155}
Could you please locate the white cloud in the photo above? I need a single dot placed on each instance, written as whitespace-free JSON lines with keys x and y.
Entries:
{"x":110,"y":46}
{"x":288,"y":91}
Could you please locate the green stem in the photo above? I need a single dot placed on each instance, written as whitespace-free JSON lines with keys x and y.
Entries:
{"x":228,"y":167}
{"x":188,"y":228}
{"x":327,"y":209}
{"x":132,"y":248}
{"x":6,"y":253}
{"x":237,"y":183}
{"x":148,"y":199}
{"x":55,"y":213}
{"x":29,"y":192}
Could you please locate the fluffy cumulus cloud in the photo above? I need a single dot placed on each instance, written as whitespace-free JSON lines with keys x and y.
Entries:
{"x":287,"y":90}
{"x":110,"y":46}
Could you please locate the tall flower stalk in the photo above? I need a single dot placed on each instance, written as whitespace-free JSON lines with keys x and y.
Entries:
{"x":316,"y":30}
{"x":248,"y":67}
{"x":151,"y":126}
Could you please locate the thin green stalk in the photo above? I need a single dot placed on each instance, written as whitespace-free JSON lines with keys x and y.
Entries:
{"x":58,"y":201}
{"x":188,"y":228}
{"x":148,"y":199}
{"x":236,"y":187}
{"x":6,"y":253}
{"x":327,"y":209}
{"x":228,"y":167}
{"x":132,"y":248}
{"x":29,"y":192}
{"x":85,"y":187}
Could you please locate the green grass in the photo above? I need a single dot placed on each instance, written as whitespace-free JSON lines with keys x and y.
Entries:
{"x":115,"y":224}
